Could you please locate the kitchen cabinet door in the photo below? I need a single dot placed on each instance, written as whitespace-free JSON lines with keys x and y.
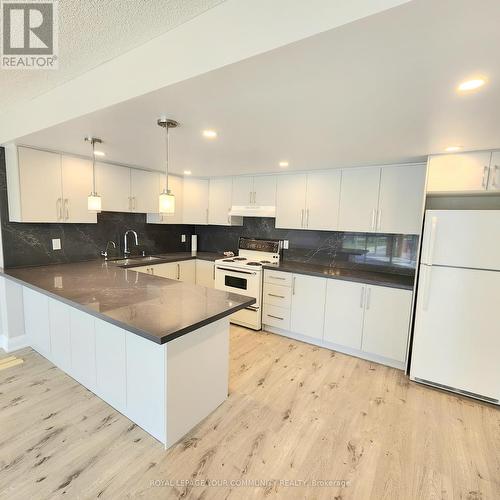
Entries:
{"x":40,"y":187}
{"x":76,"y":186}
{"x":144,"y":190}
{"x":386,"y":322}
{"x":60,"y":335}
{"x":83,"y":367}
{"x":110,"y":359}
{"x":494,"y":177}
{"x":401,"y":199}
{"x":220,"y":201}
{"x":308,"y":305}
{"x":344,"y":311}
{"x":195,"y":202}
{"x":242,"y":191}
{"x":456,"y":173}
{"x":264,"y":188}
{"x":186,"y":271}
{"x":166,"y":270}
{"x":291,"y":201}
{"x":359,"y":199}
{"x":113,"y":185}
{"x":36,"y":321}
{"x":323,"y":198}
{"x":205,"y":273}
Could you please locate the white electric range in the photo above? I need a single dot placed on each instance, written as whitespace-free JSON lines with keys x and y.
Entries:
{"x":243,"y":274}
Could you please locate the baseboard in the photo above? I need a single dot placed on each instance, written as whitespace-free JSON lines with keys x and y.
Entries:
{"x":14,"y":344}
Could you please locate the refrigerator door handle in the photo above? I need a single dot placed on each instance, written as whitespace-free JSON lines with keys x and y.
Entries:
{"x":426,"y":288}
{"x":432,"y":241}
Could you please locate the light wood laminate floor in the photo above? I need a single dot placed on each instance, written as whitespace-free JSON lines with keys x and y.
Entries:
{"x":295,"y":413}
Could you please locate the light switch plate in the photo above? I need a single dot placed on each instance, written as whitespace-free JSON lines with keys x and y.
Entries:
{"x":183,"y":238}
{"x":56,"y":244}
{"x":285,"y":244}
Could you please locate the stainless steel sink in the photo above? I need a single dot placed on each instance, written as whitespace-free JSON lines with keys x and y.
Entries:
{"x":135,"y":261}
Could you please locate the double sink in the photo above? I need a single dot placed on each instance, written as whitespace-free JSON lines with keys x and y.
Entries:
{"x":136,"y":261}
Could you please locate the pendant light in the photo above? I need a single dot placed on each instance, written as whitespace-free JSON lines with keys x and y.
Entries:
{"x":93,"y":200}
{"x":167,"y":199}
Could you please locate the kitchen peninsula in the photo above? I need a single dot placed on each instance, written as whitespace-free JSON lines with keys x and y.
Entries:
{"x":155,"y":349}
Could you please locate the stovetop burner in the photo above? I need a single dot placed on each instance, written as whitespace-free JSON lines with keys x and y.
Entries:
{"x":254,"y":264}
{"x":265,"y":262}
{"x":227,"y":260}
{"x":240,"y":258}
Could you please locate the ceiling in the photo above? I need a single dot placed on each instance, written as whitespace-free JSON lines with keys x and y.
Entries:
{"x":92,"y":32}
{"x":378,"y":90}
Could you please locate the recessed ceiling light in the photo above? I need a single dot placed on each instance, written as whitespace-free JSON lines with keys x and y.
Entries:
{"x":473,"y":84}
{"x":99,"y":153}
{"x":187,"y":172}
{"x":283,"y":164}
{"x":451,"y":149}
{"x":210,"y":134}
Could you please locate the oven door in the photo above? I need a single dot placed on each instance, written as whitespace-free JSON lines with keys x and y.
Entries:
{"x":239,"y":281}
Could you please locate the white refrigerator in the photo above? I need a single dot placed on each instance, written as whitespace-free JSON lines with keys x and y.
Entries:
{"x":456,"y":340}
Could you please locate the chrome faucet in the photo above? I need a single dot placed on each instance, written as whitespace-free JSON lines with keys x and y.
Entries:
{"x":104,"y":253}
{"x":126,"y":251}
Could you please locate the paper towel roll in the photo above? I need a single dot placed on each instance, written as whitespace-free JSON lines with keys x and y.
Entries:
{"x":194,"y":244}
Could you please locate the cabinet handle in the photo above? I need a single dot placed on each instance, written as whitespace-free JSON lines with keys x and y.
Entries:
{"x":207,"y":215}
{"x":152,"y":270}
{"x":178,"y":271}
{"x":255,"y":197}
{"x":129,"y":203}
{"x":373,"y":219}
{"x":276,"y":317}
{"x":228,"y":216}
{"x":495,"y":176}
{"x":66,"y":208}
{"x":362,"y":298}
{"x":293,"y":285}
{"x":214,"y":272}
{"x":133,"y":202}
{"x":250,"y":197}
{"x":302,"y":218}
{"x":379,"y":219}
{"x":368,"y":295}
{"x":276,"y":277}
{"x":485,"y":176}
{"x":274,"y":295}
{"x":59,"y":209}
{"x":307,"y":218}
{"x":432,"y":240}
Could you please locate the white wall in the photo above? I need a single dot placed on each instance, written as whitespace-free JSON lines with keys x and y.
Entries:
{"x":12,"y":334}
{"x":232,"y":31}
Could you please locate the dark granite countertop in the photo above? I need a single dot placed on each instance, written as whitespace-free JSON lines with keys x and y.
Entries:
{"x":155,"y":308}
{"x":392,"y":280}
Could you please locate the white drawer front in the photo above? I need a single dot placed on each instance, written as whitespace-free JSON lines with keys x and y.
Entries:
{"x":276,"y":316}
{"x":277,"y":295}
{"x":278,"y":277}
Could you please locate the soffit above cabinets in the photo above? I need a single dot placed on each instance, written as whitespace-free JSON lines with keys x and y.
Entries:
{"x":376,"y":91}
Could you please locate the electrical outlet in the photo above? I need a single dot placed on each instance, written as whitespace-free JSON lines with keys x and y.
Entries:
{"x":56,"y":244}
{"x":285,"y":244}
{"x":183,"y":238}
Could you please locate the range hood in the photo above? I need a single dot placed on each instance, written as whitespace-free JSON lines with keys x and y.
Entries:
{"x":253,"y":210}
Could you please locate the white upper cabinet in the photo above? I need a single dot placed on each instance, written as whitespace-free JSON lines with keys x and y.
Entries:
{"x":264,"y":190}
{"x":259,"y":190}
{"x":359,"y":199}
{"x":113,"y":185}
{"x":242,"y":191}
{"x":494,"y":177}
{"x":40,"y":186}
{"x":47,"y":187}
{"x":291,"y":201}
{"x":401,"y":199}
{"x":195,"y":202}
{"x":323,"y":197}
{"x":456,"y":173}
{"x":220,"y":201}
{"x":76,"y":186}
{"x":144,"y":191}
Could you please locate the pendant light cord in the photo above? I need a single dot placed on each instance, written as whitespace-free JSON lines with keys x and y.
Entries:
{"x":93,"y":167}
{"x":167,"y":147}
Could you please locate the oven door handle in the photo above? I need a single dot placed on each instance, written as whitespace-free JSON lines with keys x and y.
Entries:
{"x":236,"y":271}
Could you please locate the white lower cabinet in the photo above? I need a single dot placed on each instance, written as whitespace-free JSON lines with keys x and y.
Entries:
{"x":36,"y":321}
{"x":386,"y":322}
{"x":368,"y":321}
{"x":205,"y":270}
{"x":344,"y":310}
{"x":83,"y":367}
{"x":186,"y":271}
{"x":60,"y":334}
{"x":110,"y":361}
{"x":308,"y":305}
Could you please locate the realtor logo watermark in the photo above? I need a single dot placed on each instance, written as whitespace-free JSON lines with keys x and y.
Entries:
{"x":29,"y":34}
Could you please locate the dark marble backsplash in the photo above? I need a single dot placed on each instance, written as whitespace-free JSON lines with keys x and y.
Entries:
{"x":27,"y":244}
{"x":381,"y":252}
